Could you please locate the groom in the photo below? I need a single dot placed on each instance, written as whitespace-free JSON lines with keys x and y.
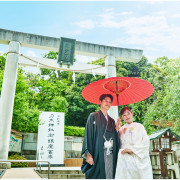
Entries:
{"x":101,"y":142}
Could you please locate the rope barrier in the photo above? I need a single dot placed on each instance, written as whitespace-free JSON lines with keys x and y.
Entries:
{"x":61,"y":67}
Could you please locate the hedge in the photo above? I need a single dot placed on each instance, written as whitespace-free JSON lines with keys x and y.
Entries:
{"x":74,"y":131}
{"x":18,"y":164}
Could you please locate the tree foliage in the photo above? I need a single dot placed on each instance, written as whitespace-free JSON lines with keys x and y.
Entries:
{"x":2,"y":61}
{"x":166,"y":96}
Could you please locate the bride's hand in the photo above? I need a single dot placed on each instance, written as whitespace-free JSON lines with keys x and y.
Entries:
{"x":126,"y":151}
{"x":118,"y":124}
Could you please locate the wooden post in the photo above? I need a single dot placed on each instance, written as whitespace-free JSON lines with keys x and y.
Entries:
{"x":163,"y":163}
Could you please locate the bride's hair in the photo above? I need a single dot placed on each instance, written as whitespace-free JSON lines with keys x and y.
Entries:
{"x":124,"y":109}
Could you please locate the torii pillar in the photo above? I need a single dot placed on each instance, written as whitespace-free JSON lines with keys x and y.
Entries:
{"x":14,"y":39}
{"x":110,"y":63}
{"x":7,"y":97}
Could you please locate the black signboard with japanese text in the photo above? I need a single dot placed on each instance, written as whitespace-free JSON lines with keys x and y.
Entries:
{"x":66,"y":51}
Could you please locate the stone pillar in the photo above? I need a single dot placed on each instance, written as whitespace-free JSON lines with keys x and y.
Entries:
{"x":110,"y":63}
{"x":7,"y":97}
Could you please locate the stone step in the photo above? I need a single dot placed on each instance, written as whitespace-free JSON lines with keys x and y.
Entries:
{"x":64,"y":176}
{"x":62,"y":172}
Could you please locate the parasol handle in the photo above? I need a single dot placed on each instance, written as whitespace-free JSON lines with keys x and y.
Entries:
{"x":117,"y":95}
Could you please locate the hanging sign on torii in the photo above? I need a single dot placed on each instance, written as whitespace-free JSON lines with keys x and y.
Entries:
{"x":66,"y":51}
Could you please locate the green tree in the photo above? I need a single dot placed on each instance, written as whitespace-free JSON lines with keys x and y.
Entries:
{"x":2,"y":61}
{"x":25,"y":117}
{"x":59,"y":104}
{"x":164,"y":75}
{"x":78,"y":109}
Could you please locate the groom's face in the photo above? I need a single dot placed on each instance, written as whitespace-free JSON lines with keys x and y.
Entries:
{"x":105,"y":104}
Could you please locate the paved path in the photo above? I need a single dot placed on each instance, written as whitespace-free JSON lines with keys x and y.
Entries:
{"x":62,"y":168}
{"x":20,"y":173}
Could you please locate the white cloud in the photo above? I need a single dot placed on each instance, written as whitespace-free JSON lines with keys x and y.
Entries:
{"x":150,"y":58}
{"x":125,"y":13}
{"x":108,"y":20}
{"x":176,"y":15}
{"x":118,"y":42}
{"x":149,"y":32}
{"x":33,"y":70}
{"x":76,"y":32}
{"x":152,"y":33}
{"x":85,"y":59}
{"x":31,"y":53}
{"x":109,"y":9}
{"x":155,"y":1}
{"x":159,"y":13}
{"x":1,"y":52}
{"x":86,"y":24}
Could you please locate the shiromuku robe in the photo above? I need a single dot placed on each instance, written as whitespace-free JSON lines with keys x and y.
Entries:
{"x":94,"y":144}
{"x":138,"y":165}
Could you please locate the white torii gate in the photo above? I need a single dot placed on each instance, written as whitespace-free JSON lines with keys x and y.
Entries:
{"x":17,"y":39}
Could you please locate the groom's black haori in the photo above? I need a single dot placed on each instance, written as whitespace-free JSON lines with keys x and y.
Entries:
{"x":104,"y":165}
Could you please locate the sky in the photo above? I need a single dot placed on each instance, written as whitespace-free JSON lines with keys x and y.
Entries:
{"x":153,"y":26}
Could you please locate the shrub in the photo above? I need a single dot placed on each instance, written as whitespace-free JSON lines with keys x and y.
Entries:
{"x":74,"y":131}
{"x":18,"y":164}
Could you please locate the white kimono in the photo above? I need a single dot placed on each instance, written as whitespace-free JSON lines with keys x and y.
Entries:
{"x":137,"y":165}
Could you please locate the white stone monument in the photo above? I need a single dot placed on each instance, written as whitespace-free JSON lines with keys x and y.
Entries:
{"x":50,"y":145}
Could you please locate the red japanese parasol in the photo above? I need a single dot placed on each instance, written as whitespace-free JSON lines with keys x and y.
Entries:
{"x":128,"y":90}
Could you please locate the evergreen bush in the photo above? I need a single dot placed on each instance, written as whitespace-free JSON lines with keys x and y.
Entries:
{"x":18,"y":164}
{"x":74,"y":131}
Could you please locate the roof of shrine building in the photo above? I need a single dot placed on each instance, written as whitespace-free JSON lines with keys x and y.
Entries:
{"x":157,"y":134}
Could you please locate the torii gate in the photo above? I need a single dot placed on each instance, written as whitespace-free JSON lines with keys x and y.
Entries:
{"x":17,"y":39}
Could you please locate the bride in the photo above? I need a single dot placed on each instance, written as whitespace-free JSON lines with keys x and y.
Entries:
{"x":133,"y":158}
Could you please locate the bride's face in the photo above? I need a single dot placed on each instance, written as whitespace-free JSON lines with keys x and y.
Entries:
{"x":127,"y":116}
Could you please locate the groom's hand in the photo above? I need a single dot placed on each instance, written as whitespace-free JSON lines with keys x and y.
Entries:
{"x":89,"y":159}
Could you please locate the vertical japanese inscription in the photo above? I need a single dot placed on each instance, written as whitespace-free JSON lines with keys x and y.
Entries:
{"x":50,"y":147}
{"x":58,"y":119}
